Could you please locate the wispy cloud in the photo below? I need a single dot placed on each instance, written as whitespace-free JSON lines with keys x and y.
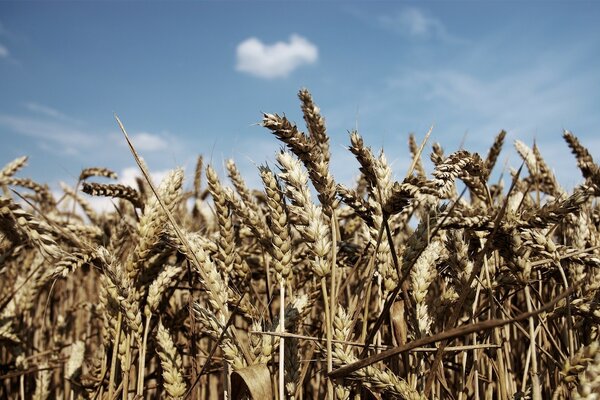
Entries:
{"x":278,"y":60}
{"x":4,"y":53}
{"x":52,"y":135}
{"x":416,"y":23}
{"x":47,"y":111}
{"x":523,"y":101}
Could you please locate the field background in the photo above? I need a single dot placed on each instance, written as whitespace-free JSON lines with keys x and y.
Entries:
{"x":425,"y":226}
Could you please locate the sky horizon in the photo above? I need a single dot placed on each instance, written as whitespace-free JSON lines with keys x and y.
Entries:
{"x":190,"y":78}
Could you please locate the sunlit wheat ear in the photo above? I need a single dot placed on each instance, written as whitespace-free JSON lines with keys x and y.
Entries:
{"x":546,"y":177}
{"x":227,"y":256}
{"x":437,"y":154}
{"x":296,"y":184}
{"x":153,"y":221}
{"x":198,"y":177}
{"x":315,"y":124}
{"x":447,"y":171}
{"x":33,"y":229}
{"x":585,"y":162}
{"x":365,"y":157}
{"x":313,"y":227}
{"x":171,"y":363}
{"x":97,"y":171}
{"x":414,"y":151}
{"x":527,"y":154}
{"x":44,"y":196}
{"x":42,"y":382}
{"x":494,"y":151}
{"x":281,"y":241}
{"x":113,"y":190}
{"x":71,"y":263}
{"x":422,"y":275}
{"x":308,"y":152}
{"x":159,"y":287}
{"x":584,"y":370}
{"x":240,"y":186}
{"x":12,"y":167}
{"x":252,"y":219}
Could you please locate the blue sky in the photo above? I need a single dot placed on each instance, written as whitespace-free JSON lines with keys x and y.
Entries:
{"x":191,"y":78}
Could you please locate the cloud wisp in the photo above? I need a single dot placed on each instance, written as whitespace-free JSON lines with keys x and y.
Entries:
{"x":4,"y":53}
{"x":57,"y":133}
{"x":415,"y":23}
{"x":278,"y":60}
{"x":46,"y":111}
{"x":51,"y":134}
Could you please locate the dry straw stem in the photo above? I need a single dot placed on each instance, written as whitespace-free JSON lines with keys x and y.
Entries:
{"x":256,"y":331}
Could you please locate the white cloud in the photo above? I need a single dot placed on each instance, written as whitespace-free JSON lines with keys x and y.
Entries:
{"x":3,"y":51}
{"x":277,"y":60}
{"x":413,"y":22}
{"x":128,"y":176}
{"x":145,"y":141}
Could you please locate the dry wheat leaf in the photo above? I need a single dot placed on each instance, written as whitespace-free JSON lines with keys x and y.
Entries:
{"x":254,"y":381}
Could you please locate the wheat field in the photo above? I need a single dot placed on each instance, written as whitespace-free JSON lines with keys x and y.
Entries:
{"x":445,"y":284}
